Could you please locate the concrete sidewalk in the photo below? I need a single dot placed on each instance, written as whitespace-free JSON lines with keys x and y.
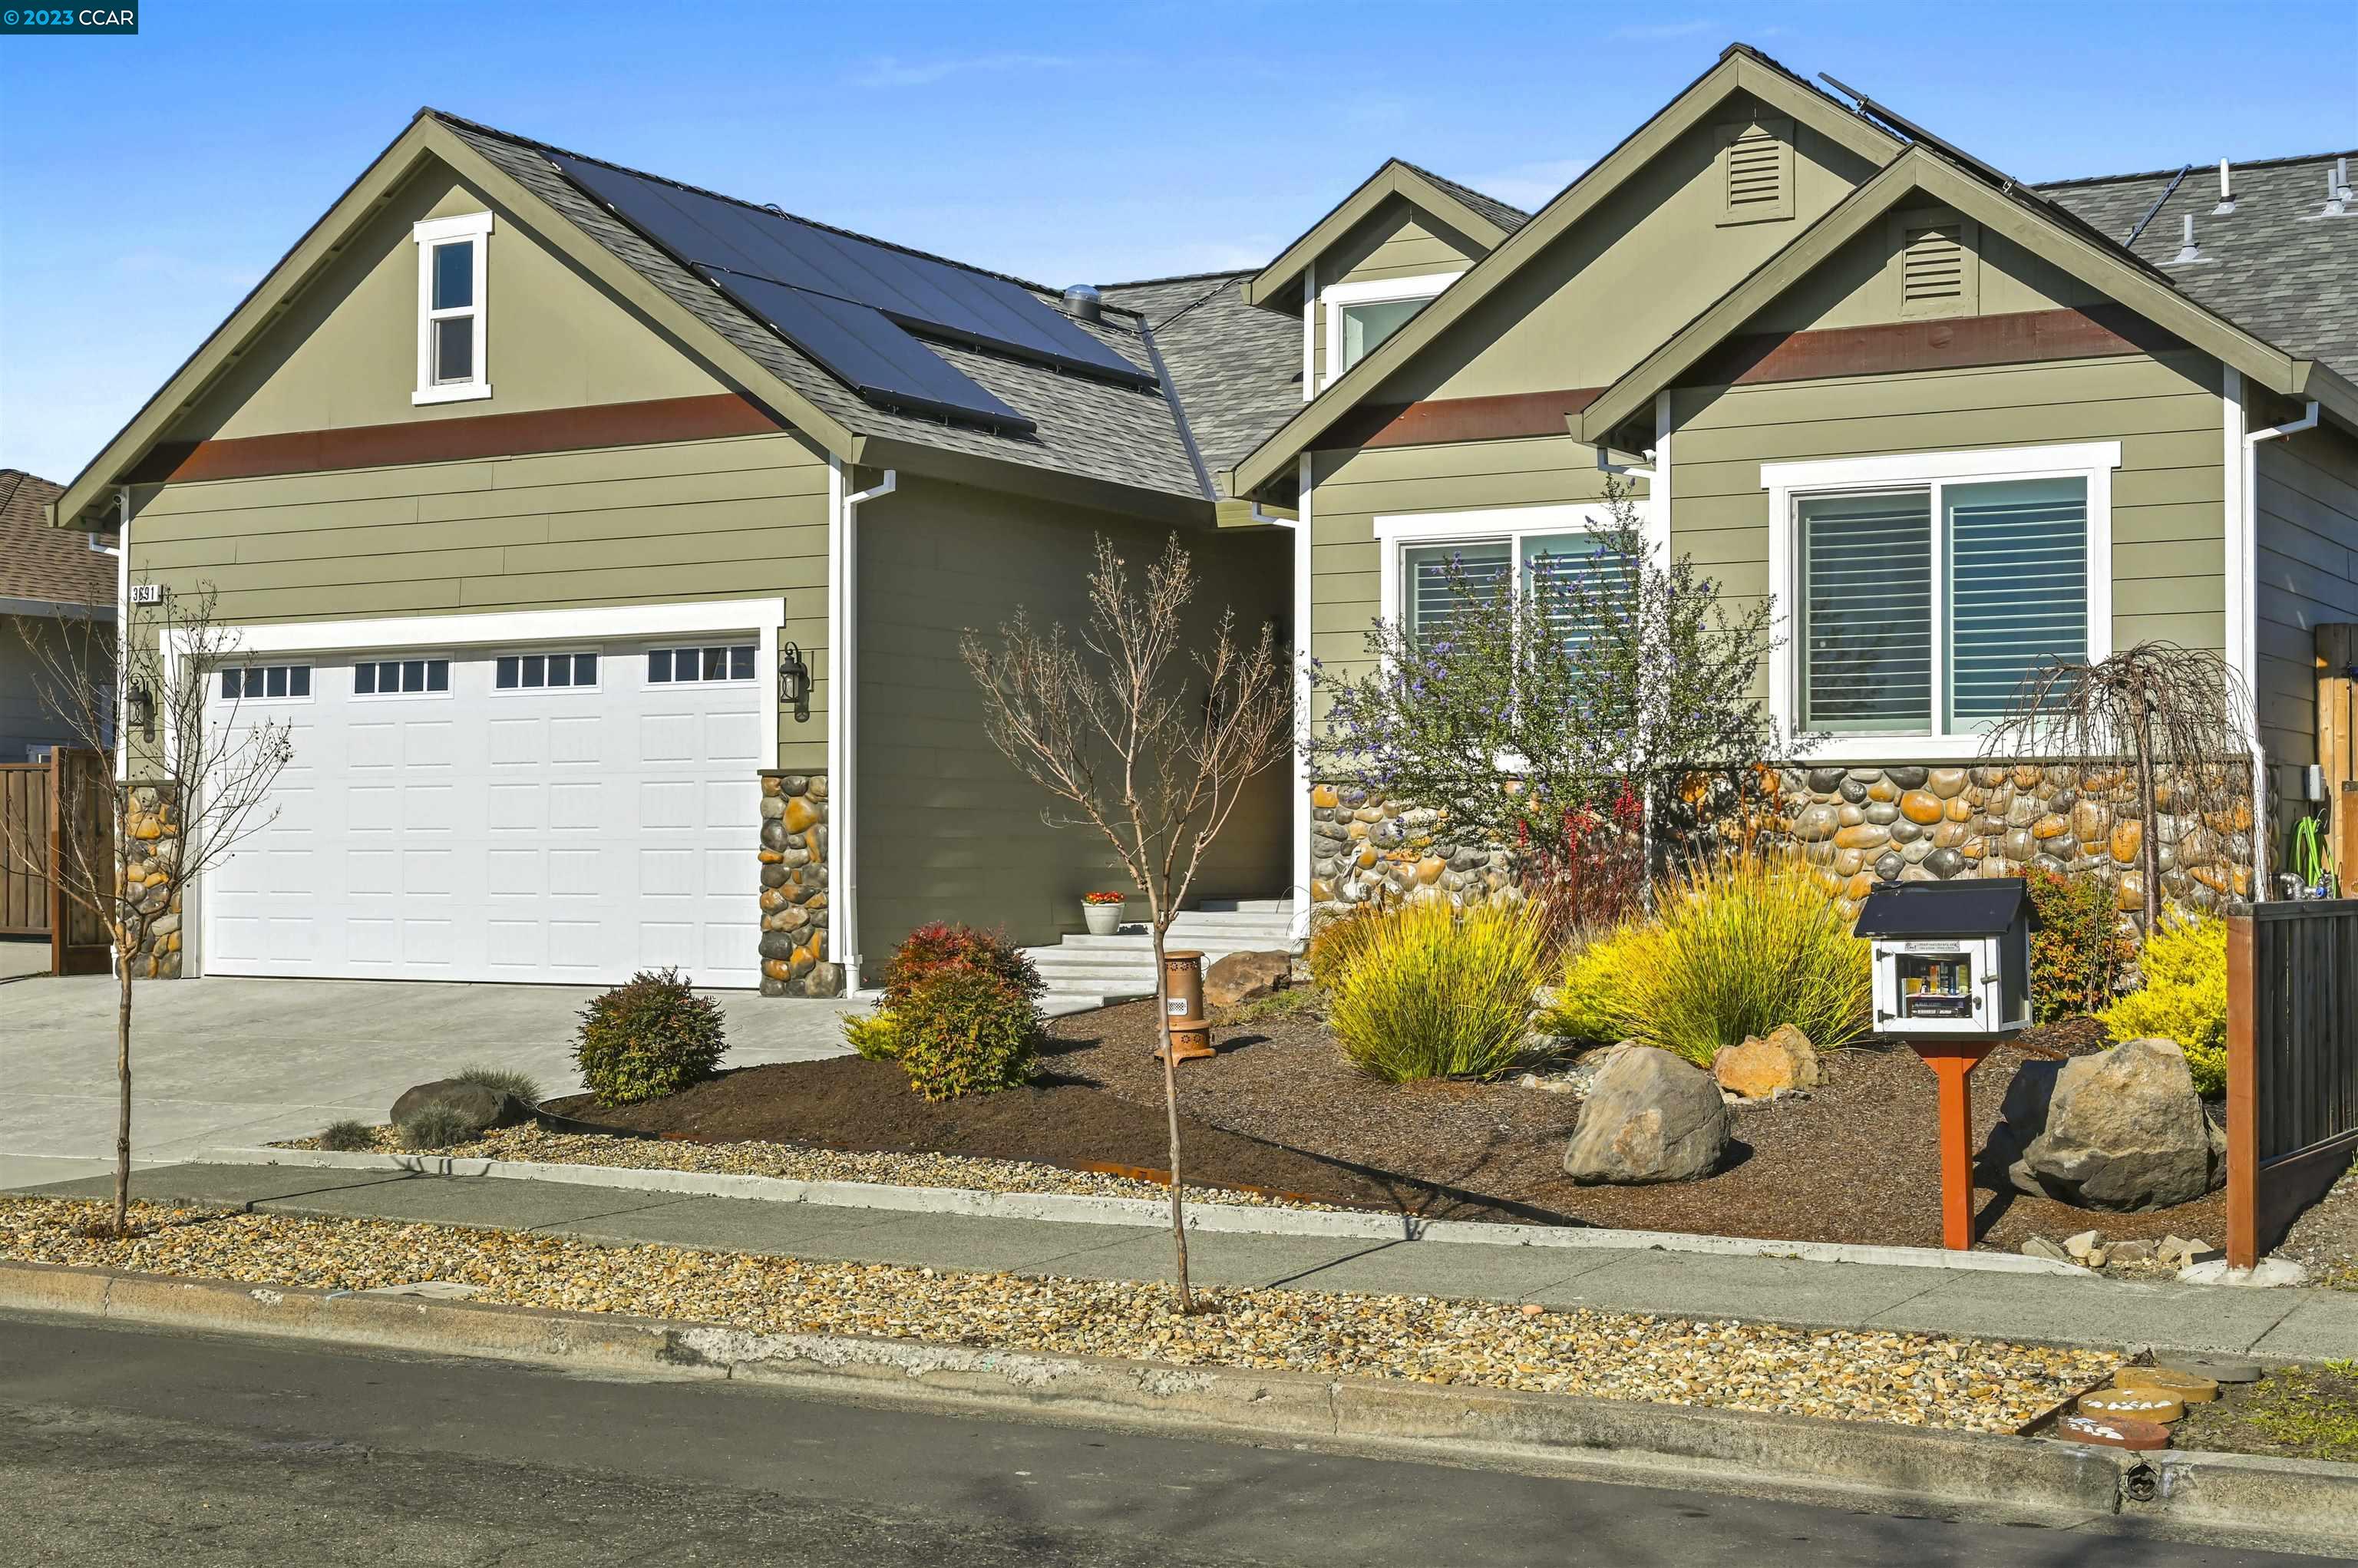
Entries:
{"x":2302,"y":1325}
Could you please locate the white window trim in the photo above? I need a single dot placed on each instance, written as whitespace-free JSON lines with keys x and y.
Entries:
{"x":1786,"y":482}
{"x":1397,"y":532}
{"x":1375,"y":291}
{"x":433,"y":232}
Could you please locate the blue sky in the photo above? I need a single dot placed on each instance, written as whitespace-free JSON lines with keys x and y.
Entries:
{"x":150,"y":182}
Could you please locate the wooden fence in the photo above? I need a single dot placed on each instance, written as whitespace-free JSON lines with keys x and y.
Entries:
{"x":45,"y":808}
{"x":2292,"y":1063}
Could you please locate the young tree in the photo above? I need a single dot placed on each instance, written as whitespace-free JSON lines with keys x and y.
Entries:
{"x":2163,"y":717}
{"x":1604,"y":684}
{"x":1148,"y":746}
{"x":210,"y":770}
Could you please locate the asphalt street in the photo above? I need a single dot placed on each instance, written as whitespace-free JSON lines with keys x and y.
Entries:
{"x":121,"y":1445}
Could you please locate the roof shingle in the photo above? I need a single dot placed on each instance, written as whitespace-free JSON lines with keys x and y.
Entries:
{"x":52,"y":566}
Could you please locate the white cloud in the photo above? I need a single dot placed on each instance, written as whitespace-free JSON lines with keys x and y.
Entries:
{"x":1650,"y":30}
{"x":1530,"y":186}
{"x":892,"y":71}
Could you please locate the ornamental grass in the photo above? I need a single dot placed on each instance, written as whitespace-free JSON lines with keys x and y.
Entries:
{"x":1430,"y":991}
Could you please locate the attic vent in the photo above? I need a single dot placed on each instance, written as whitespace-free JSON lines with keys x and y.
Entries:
{"x":1936,"y":265}
{"x":1755,"y":171}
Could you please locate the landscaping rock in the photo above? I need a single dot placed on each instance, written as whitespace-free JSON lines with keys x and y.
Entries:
{"x":2039,"y":1247}
{"x":2130,"y":1251}
{"x":481,"y":1106}
{"x":2122,"y":1130}
{"x":1650,"y":1117}
{"x":1242,"y":976}
{"x":1762,"y":1068}
{"x":2082,"y":1245}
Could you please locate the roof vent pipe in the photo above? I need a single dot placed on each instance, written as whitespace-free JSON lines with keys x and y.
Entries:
{"x":1085,"y":302}
{"x":2227,"y":193}
{"x":2337,"y":194}
{"x":2187,"y":251}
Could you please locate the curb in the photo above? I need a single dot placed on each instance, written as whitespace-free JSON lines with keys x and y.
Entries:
{"x":1854,"y":1465}
{"x":1150,"y":1213}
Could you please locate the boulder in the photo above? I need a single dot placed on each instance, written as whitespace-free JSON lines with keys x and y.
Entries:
{"x":1650,"y":1117}
{"x":1766,"y":1066}
{"x":1242,"y":976}
{"x":482,"y":1107}
{"x":2122,"y":1130}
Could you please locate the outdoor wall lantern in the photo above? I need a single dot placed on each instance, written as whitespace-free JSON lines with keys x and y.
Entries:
{"x":795,"y":680}
{"x":1952,"y":978}
{"x":143,"y":711}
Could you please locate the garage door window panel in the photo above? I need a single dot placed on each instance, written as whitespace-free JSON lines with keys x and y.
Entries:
{"x":267,"y":683}
{"x":402,"y":677}
{"x":730,"y":662}
{"x":544,"y":672}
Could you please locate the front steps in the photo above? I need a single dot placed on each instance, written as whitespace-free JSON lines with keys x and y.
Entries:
{"x":1084,"y":971}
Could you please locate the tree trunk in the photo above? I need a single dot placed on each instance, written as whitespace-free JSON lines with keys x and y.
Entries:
{"x":123,"y":1121}
{"x":2149,"y":852}
{"x":1171,"y":1110}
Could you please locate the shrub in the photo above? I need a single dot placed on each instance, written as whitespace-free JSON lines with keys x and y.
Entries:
{"x":650,"y":1038}
{"x":965,"y":1032}
{"x":501,"y":1080}
{"x":1434,"y":992}
{"x":2184,"y":999}
{"x":873,"y":1034}
{"x":943,"y":946}
{"x":436,"y":1127}
{"x":348,"y":1137}
{"x":1334,"y":945}
{"x":2078,"y":953}
{"x":1741,"y":944}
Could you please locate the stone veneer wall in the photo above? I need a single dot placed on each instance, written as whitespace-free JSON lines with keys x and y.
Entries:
{"x":151,"y":818}
{"x":1908,"y":824}
{"x":794,"y":887}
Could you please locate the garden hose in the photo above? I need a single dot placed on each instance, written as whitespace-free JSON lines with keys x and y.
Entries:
{"x":2310,"y":862}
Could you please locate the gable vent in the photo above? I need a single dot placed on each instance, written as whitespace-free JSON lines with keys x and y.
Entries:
{"x":1933,"y":266}
{"x":1756,"y":172}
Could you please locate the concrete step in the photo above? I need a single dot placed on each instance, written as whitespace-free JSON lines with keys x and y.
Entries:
{"x":1081,"y":969}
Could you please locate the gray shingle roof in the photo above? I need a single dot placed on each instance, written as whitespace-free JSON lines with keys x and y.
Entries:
{"x":54,"y":566}
{"x":1507,"y":218}
{"x":1236,"y":368}
{"x":2273,"y":266}
{"x":1090,"y":429}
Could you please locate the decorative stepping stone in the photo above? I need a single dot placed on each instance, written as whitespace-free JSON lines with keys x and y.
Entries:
{"x":2218,"y":1368}
{"x":2138,"y":1404}
{"x":2191,"y":1387}
{"x":2122,"y":1432}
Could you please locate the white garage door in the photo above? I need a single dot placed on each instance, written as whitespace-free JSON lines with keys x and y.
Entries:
{"x":568,"y":813}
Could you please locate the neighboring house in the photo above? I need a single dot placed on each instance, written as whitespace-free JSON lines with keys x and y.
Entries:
{"x":527,"y":478}
{"x":57,"y":608}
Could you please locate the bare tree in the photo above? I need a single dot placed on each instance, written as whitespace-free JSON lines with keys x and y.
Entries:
{"x":210,"y":770}
{"x":2167,"y":718}
{"x":1149,"y":748}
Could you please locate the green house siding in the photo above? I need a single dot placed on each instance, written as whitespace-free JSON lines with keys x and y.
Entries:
{"x":1397,"y":239}
{"x":723,"y":519}
{"x":2307,"y":541}
{"x":948,"y":830}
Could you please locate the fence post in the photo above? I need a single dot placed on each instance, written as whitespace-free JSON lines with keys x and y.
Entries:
{"x":2243,"y":1099}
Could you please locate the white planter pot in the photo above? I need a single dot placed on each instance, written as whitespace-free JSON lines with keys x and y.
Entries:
{"x":1105,"y":919}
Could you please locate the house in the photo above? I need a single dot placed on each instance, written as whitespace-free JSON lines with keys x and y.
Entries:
{"x":56,"y":590}
{"x":536,"y":486}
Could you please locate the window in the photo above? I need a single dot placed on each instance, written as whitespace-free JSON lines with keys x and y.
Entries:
{"x":401,"y":678}
{"x":451,"y":258}
{"x":1526,"y":546}
{"x":260,"y":683}
{"x":734,"y":662}
{"x":1924,"y":588}
{"x":1755,"y":171}
{"x":528,"y":672}
{"x":1360,"y":316}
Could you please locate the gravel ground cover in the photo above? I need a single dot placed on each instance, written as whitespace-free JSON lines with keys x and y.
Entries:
{"x":1855,"y":1160}
{"x":2294,"y":1412}
{"x":2325,"y":1240}
{"x":803,"y":1164}
{"x":1909,"y":1378}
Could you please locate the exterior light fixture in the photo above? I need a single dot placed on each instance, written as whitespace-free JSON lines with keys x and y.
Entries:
{"x":143,"y":711}
{"x":795,"y":680}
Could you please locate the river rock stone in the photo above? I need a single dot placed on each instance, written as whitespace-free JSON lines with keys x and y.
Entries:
{"x":2121,"y":1130}
{"x":1650,"y":1117}
{"x":1242,"y":976}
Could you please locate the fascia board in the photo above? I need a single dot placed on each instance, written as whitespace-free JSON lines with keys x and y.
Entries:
{"x":1395,"y":179}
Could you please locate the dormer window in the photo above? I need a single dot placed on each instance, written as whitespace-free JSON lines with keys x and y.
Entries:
{"x":1360,"y":316}
{"x":451,"y":254}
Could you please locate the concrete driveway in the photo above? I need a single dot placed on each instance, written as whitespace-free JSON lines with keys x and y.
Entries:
{"x":232,"y":1061}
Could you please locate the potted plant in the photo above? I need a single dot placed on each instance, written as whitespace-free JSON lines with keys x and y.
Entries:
{"x":1103,"y":912}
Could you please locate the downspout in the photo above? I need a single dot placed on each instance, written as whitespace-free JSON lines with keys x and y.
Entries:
{"x":2248,"y":652}
{"x":843,"y":717}
{"x":1298,"y":881}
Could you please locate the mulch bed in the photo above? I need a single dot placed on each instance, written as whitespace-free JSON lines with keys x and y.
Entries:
{"x":1279,"y":1109}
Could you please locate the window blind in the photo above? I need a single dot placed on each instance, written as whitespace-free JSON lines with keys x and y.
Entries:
{"x":1431,"y":600}
{"x":1556,"y":558}
{"x":2017,"y":587}
{"x":1866,"y":589}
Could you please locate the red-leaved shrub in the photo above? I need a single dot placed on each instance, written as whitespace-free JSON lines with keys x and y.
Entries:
{"x":931,"y":948}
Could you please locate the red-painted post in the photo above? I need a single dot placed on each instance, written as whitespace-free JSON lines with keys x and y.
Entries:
{"x":1953,"y":1062}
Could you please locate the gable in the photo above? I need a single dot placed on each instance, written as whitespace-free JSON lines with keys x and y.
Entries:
{"x":344,"y":353}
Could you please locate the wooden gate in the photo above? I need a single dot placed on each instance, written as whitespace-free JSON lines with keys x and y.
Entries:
{"x":46,"y":809}
{"x":2337,"y":742}
{"x":2292,"y":1063}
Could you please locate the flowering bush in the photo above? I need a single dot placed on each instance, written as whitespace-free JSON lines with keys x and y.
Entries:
{"x":2184,"y":999}
{"x":1104,"y":898}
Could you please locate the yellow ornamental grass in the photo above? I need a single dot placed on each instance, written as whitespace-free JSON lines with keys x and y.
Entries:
{"x":2184,"y":998}
{"x":1739,"y":946}
{"x":1436,"y":992}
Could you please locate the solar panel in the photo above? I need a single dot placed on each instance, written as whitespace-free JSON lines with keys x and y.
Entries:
{"x":853,"y":292}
